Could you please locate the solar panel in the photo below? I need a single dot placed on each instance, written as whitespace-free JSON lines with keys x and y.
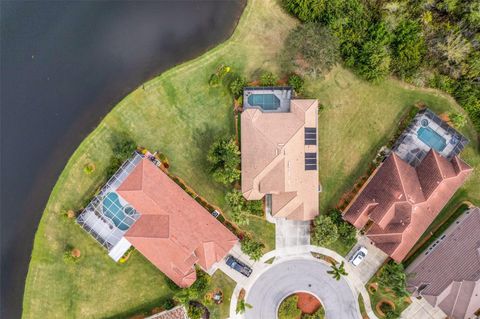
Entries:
{"x":310,"y":155}
{"x":310,"y":142}
{"x":310,"y":161}
{"x":310,"y":135}
{"x":310,"y":130}
{"x":311,"y":167}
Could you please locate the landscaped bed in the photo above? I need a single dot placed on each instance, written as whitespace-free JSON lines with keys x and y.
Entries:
{"x":301,"y":305}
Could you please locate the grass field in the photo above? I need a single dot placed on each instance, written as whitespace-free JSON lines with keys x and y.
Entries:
{"x":180,"y":115}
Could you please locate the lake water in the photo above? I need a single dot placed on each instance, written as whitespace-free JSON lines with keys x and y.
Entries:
{"x":64,"y":65}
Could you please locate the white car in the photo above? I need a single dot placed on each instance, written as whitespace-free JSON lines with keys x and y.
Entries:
{"x":358,"y":256}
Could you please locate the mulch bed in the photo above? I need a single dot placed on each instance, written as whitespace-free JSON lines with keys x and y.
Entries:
{"x":307,"y":303}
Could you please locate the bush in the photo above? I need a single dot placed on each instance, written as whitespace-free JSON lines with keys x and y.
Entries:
{"x":457,"y":119}
{"x":288,"y":308}
{"x":296,"y":82}
{"x":268,"y":79}
{"x":324,"y":231}
{"x":122,"y":149}
{"x":310,"y":50}
{"x":224,"y":158}
{"x":392,"y":276}
{"x":254,"y":207}
{"x":194,"y":312}
{"x":236,"y":86}
{"x":305,"y":10}
{"x":346,"y":232}
{"x":201,"y":285}
{"x":252,"y":248}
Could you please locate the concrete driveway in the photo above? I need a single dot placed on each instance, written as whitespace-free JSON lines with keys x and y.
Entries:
{"x":308,"y":275}
{"x":290,"y":235}
{"x":369,"y":266}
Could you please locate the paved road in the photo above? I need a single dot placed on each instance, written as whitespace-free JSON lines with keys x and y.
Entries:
{"x":291,"y":276}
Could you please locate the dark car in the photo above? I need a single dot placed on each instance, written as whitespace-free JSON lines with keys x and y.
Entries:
{"x":238,"y":266}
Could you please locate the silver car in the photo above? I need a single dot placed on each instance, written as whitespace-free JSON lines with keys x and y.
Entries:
{"x":358,"y":256}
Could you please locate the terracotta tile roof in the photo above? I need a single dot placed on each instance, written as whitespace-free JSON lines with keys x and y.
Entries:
{"x":178,"y":312}
{"x":448,"y":276}
{"x":273,"y":159}
{"x":402,"y":201}
{"x":174,"y":232}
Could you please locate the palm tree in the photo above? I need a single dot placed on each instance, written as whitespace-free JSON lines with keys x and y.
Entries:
{"x":242,"y":306}
{"x":337,"y":272}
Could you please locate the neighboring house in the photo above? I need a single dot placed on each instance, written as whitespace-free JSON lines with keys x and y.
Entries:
{"x":279,"y":152}
{"x":447,"y":274}
{"x":400,"y":200}
{"x":143,"y":207}
{"x":178,"y":312}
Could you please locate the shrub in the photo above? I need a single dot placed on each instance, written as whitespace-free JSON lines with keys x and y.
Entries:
{"x":346,"y":232}
{"x":224,"y":158}
{"x":194,"y":312}
{"x":392,"y":276}
{"x":296,"y":82}
{"x":89,"y":169}
{"x":268,"y":79}
{"x":324,"y":231}
{"x":236,"y":86}
{"x":252,"y":248}
{"x":288,"y":308}
{"x":123,"y":147}
{"x":310,"y":50}
{"x":254,"y":207}
{"x":457,"y":119}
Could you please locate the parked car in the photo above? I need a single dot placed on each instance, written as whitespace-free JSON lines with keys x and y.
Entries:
{"x":236,"y":264}
{"x":358,"y":256}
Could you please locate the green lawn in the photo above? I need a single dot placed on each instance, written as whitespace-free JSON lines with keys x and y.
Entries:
{"x":357,"y":118}
{"x":222,"y":281}
{"x":177,"y":113}
{"x":180,"y":115}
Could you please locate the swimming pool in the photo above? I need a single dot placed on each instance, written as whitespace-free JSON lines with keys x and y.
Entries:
{"x":265,"y":101}
{"x":431,"y":138}
{"x":113,"y":209}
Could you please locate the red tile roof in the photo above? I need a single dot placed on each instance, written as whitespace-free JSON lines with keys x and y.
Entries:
{"x":402,"y":201}
{"x":174,"y":232}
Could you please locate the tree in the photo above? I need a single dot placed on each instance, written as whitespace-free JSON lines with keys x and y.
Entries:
{"x":241,"y":208}
{"x":392,"y":276}
{"x":268,"y":79}
{"x":288,"y":308}
{"x":373,"y":61}
{"x":392,"y":314}
{"x":123,"y":147}
{"x":319,"y":314}
{"x":324,"y":231}
{"x":305,"y":10}
{"x":252,"y":248}
{"x":224,"y":158}
{"x":310,"y":50}
{"x":408,"y":48}
{"x":242,"y":306}
{"x":452,"y":51}
{"x":337,"y":272}
{"x":235,"y":200}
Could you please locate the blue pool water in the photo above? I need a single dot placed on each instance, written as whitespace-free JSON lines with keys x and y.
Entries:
{"x":265,"y":101}
{"x":431,"y":138}
{"x":113,"y":209}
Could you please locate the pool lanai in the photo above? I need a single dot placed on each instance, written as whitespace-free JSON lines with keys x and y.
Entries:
{"x":427,"y":131}
{"x":268,"y":99}
{"x":108,"y":216}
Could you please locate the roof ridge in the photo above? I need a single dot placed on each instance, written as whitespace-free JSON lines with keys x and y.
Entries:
{"x":397,"y":169}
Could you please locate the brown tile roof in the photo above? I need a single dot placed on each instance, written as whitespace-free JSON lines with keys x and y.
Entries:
{"x":273,"y":159}
{"x":174,"y":232}
{"x":449,"y":275}
{"x":402,"y":201}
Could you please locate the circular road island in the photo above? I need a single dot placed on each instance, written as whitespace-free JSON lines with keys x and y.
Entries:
{"x":301,"y":275}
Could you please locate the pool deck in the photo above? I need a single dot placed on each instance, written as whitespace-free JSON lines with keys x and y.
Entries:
{"x":283,"y":93}
{"x":411,"y":149}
